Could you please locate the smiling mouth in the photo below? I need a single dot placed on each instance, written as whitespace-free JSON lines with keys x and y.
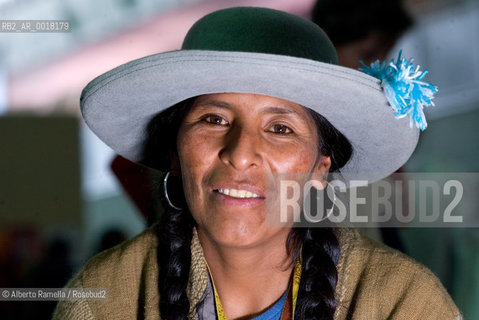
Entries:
{"x":235,"y":193}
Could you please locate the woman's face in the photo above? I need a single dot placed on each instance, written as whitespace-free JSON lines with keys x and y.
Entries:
{"x":227,"y":145}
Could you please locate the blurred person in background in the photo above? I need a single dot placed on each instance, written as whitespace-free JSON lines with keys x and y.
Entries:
{"x":362,"y":30}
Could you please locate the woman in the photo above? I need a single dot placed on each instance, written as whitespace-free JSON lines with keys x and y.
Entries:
{"x":238,"y":91}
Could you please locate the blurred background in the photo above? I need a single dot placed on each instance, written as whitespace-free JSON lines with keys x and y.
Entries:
{"x":65,"y":196}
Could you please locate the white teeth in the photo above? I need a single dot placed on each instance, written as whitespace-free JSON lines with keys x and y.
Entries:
{"x":238,"y":193}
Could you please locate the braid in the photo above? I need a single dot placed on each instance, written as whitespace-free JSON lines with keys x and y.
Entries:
{"x":319,"y":275}
{"x":175,"y":229}
{"x":174,"y":260}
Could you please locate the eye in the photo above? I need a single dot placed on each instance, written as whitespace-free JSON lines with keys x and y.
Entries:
{"x":280,"y":129}
{"x":215,"y":119}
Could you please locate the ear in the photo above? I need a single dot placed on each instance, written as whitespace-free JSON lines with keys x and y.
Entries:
{"x":320,"y":172}
{"x":175,"y":166}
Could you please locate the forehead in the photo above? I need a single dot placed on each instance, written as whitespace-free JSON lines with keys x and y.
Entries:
{"x":252,"y":104}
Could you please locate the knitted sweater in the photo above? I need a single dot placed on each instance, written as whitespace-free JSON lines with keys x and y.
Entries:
{"x":374,"y":282}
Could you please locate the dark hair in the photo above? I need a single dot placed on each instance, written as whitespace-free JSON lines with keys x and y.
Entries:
{"x":320,"y":247}
{"x":349,"y":20}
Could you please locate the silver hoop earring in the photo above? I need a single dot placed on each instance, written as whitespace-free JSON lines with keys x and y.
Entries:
{"x":165,"y":189}
{"x":330,"y":210}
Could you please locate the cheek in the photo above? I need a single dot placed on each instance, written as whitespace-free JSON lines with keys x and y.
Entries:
{"x":197,"y":155}
{"x":192,"y":160}
{"x":191,"y":150}
{"x":196,"y":152}
{"x":292,"y":165}
{"x":294,"y":158}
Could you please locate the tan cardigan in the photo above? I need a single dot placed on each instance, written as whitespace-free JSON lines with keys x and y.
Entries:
{"x":374,"y":282}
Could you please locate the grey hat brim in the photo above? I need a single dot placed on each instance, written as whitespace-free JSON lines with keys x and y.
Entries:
{"x":119,"y":104}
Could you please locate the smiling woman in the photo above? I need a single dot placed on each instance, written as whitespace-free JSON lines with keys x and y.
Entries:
{"x":253,"y":93}
{"x":226,"y":146}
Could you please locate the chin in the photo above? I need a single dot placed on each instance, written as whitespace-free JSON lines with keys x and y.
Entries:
{"x":237,"y":235}
{"x":243,"y":235}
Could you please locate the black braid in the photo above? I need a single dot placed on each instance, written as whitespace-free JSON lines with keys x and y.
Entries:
{"x":321,"y":249}
{"x":175,"y":229}
{"x":174,"y":260}
{"x":319,"y":275}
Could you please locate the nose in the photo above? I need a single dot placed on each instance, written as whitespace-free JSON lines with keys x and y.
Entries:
{"x":241,"y":149}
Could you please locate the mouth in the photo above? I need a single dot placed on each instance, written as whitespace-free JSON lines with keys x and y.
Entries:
{"x":238,"y":193}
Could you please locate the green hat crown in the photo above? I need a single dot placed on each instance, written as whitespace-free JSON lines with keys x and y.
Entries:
{"x":260,"y":30}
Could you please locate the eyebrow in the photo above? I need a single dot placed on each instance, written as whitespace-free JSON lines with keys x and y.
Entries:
{"x":266,"y":110}
{"x":215,"y":103}
{"x":282,"y":110}
{"x":278,"y":110}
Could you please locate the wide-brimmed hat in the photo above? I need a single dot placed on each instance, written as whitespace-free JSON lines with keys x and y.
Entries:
{"x":260,"y":51}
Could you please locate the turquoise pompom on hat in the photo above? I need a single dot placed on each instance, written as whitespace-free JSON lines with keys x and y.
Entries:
{"x":259,"y":51}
